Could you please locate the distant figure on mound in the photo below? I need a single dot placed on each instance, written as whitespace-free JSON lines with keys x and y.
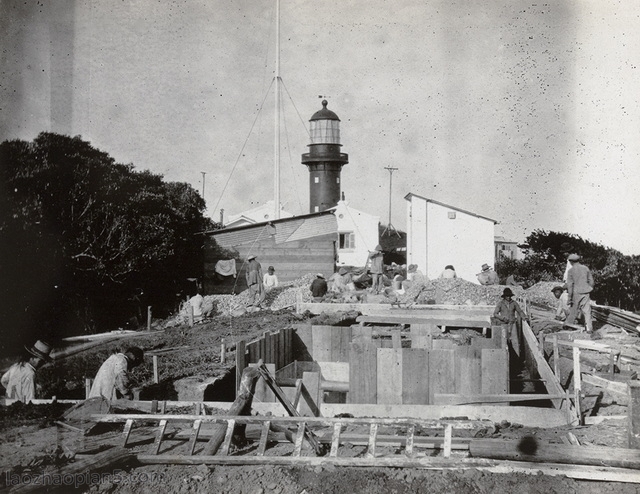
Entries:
{"x":505,"y":312}
{"x":376,"y":268}
{"x":488,"y":276}
{"x":340,"y":281}
{"x":579,"y":286}
{"x":196,"y":302}
{"x":19,"y":380}
{"x":449,"y":272}
{"x":255,"y":278}
{"x":318,"y":287}
{"x":112,"y":380}
{"x":270,"y":280}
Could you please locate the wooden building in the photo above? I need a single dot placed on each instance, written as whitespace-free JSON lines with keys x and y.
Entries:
{"x":294,"y":246}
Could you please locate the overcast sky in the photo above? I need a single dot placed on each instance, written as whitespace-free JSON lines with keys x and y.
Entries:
{"x":524,"y":112}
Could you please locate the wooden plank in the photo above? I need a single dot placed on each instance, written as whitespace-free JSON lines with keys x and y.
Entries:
{"x":447,"y":440}
{"x":363,"y":372}
{"x":556,"y":453}
{"x":264,"y":437}
{"x":470,"y":375}
{"x":415,"y":376}
{"x":335,"y":439}
{"x":389,"y":382}
{"x":408,"y":450}
{"x":303,"y":342}
{"x":263,"y":392}
{"x":322,"y":346}
{"x":373,"y":433}
{"x":439,"y":320}
{"x":311,"y":393}
{"x":241,"y":362}
{"x":282,"y":350}
{"x":396,"y":341}
{"x":444,"y":344}
{"x":441,"y":372}
{"x":473,"y":398}
{"x":346,"y":338}
{"x":577,"y":383}
{"x":162,"y":426}
{"x":421,"y":335}
{"x":297,"y":450}
{"x":633,"y":412}
{"x":495,"y":371}
{"x":226,"y":444}
{"x":127,"y":431}
{"x":194,"y":437}
{"x":359,"y":331}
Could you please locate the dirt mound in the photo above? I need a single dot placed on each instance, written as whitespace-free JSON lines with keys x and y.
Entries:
{"x":455,"y":292}
{"x":540,"y":293}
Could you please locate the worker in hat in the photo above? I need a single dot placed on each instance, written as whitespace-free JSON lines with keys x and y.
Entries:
{"x":376,"y":268}
{"x":579,"y":287}
{"x":338,"y":283}
{"x":19,"y":380}
{"x":112,"y":380}
{"x":488,"y":276}
{"x":270,"y":280}
{"x":449,"y":272}
{"x":505,"y":312}
{"x":318,"y":288}
{"x":562,"y":309}
{"x":255,"y":280}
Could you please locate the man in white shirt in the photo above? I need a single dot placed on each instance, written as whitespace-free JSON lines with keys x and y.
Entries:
{"x":19,"y":380}
{"x":562,"y":309}
{"x":270,"y":280}
{"x":112,"y":380}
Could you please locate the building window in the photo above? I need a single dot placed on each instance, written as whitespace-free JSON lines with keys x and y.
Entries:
{"x":316,"y":209}
{"x":337,"y":180}
{"x":348,"y":240}
{"x":316,"y":179}
{"x":452,"y":215}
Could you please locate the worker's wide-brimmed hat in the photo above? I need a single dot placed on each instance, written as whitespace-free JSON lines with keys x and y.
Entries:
{"x":271,"y":268}
{"x":342,"y":271}
{"x":573,"y":257}
{"x":252,"y":256}
{"x":320,"y":275}
{"x":507,"y":293}
{"x":137,"y":354}
{"x":485,"y":267}
{"x":378,"y":248}
{"x":557,"y":288}
{"x":412,"y":267}
{"x":40,"y":350}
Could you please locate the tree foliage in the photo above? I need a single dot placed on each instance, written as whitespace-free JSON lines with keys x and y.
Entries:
{"x":616,"y":276}
{"x":81,"y":232}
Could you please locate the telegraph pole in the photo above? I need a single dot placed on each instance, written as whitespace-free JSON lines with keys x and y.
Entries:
{"x":203,"y":174}
{"x":389,"y":225}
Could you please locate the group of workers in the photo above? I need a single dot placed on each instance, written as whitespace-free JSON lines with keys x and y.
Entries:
{"x":112,"y":381}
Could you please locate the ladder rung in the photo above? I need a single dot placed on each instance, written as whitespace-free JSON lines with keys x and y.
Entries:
{"x":264,"y":437}
{"x":127,"y":430}
{"x":297,"y":450}
{"x":161,"y":428}
{"x":231,"y":425}
{"x":194,"y":438}
{"x":447,"y":440}
{"x":335,"y":439}
{"x":373,"y":434}
{"x":411,"y":431}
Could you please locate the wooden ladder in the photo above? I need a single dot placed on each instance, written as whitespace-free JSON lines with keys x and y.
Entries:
{"x":411,"y":441}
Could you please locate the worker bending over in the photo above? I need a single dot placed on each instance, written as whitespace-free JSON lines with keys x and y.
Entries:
{"x":112,"y":380}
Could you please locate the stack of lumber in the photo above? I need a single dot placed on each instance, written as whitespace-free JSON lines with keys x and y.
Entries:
{"x":617,"y":317}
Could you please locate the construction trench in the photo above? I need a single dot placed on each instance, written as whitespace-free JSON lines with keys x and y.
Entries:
{"x":423,"y":388}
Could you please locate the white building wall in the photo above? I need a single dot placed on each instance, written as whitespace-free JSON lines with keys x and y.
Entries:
{"x":438,"y":235}
{"x":365,"y":234}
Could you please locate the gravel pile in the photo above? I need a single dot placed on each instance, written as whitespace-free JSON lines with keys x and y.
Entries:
{"x":540,"y":293}
{"x":455,"y":292}
{"x":288,"y":297}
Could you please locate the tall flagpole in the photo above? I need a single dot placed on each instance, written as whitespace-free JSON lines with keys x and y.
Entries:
{"x":277,"y":117}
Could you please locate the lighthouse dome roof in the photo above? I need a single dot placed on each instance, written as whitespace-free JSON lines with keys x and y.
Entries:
{"x":324,"y":114}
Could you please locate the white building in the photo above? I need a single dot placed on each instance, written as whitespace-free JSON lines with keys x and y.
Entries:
{"x":357,"y":234}
{"x":259,"y":214}
{"x":439,"y":234}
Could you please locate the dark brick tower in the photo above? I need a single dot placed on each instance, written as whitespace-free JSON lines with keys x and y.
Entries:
{"x":324,"y":160}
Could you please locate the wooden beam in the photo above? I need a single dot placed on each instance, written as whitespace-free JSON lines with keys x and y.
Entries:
{"x":473,"y":399}
{"x":633,"y":424}
{"x":537,"y":451}
{"x":460,"y":321}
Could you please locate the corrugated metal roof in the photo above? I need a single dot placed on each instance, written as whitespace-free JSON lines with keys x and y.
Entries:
{"x":411,"y":194}
{"x":314,"y":227}
{"x":237,"y":237}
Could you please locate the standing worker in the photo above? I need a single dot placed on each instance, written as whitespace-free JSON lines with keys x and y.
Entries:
{"x":488,"y":276}
{"x":579,"y":285}
{"x":112,"y":380}
{"x":255,"y":282}
{"x":505,"y":312}
{"x":376,"y":268}
{"x":19,"y":380}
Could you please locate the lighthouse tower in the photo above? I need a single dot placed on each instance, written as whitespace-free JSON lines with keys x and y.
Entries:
{"x":324,"y":160}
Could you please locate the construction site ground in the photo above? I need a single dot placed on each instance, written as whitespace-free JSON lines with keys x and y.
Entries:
{"x":32,"y":444}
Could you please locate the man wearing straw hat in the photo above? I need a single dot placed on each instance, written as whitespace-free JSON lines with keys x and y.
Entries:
{"x":19,"y":380}
{"x":255,"y":280}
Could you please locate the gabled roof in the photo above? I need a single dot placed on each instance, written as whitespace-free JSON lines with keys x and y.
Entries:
{"x":273,"y":222}
{"x":258,"y":213}
{"x":411,"y":194}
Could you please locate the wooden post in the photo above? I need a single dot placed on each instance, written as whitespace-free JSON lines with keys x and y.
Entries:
{"x":190,"y":311}
{"x":148,"y":318}
{"x":87,"y":387}
{"x":577,"y":382}
{"x":223,"y":351}
{"x":241,"y":406}
{"x":556,"y":356}
{"x":155,"y":369}
{"x":633,"y":388}
{"x":541,"y":342}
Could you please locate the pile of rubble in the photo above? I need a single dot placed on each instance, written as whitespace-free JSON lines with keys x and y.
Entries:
{"x":540,"y":293}
{"x":289,"y":296}
{"x":455,"y":292}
